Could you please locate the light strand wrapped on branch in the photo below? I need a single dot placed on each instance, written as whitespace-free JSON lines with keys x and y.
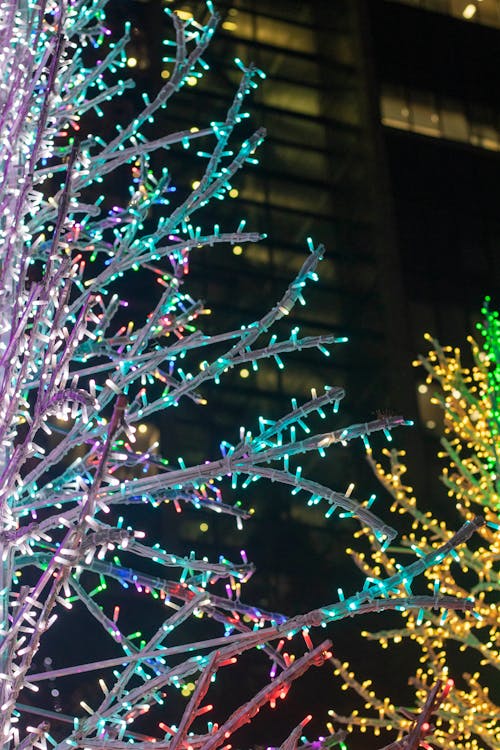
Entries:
{"x":77,"y":379}
{"x":469,"y":399}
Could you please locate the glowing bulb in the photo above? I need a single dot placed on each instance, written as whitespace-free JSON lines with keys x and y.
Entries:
{"x":165,"y":73}
{"x":143,"y":428}
{"x":469,"y":11}
{"x":185,"y":15}
{"x":203,"y":527}
{"x":422,"y":388}
{"x":132,"y":62}
{"x":229,"y":26}
{"x":244,"y":373}
{"x":233,"y":193}
{"x":237,"y":250}
{"x":195,"y":184}
{"x":191,"y":80}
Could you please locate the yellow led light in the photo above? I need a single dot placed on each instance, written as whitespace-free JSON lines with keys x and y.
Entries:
{"x":465,"y":398}
{"x":184,"y":15}
{"x":229,"y":26}
{"x":132,"y":62}
{"x":143,"y":428}
{"x":237,"y":250}
{"x":469,"y":11}
{"x":203,"y":526}
{"x":422,"y":388}
{"x":233,"y":193}
{"x":191,"y":80}
{"x":195,"y":184}
{"x":244,"y":373}
{"x":165,"y":73}
{"x":194,"y":129}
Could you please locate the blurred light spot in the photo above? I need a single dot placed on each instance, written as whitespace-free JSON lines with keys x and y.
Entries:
{"x":469,"y":11}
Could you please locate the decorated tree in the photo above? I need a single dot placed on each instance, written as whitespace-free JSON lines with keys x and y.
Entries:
{"x":452,"y":645}
{"x":77,"y":380}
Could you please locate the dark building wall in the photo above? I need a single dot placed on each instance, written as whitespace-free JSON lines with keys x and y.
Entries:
{"x":445,"y":190}
{"x":437,"y":81}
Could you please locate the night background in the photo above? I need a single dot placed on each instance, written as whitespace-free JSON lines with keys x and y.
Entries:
{"x":383,"y":142}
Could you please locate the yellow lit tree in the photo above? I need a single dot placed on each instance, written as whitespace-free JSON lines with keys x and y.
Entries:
{"x":461,"y":646}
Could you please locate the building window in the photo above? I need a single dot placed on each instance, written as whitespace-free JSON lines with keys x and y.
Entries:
{"x":421,"y":112}
{"x":394,"y":108}
{"x":486,"y":12}
{"x":454,"y":123}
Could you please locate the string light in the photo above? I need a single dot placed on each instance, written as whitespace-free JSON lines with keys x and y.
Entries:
{"x":78,"y":383}
{"x":469,"y":397}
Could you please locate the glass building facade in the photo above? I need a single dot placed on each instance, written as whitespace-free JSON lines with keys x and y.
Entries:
{"x":319,"y":176}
